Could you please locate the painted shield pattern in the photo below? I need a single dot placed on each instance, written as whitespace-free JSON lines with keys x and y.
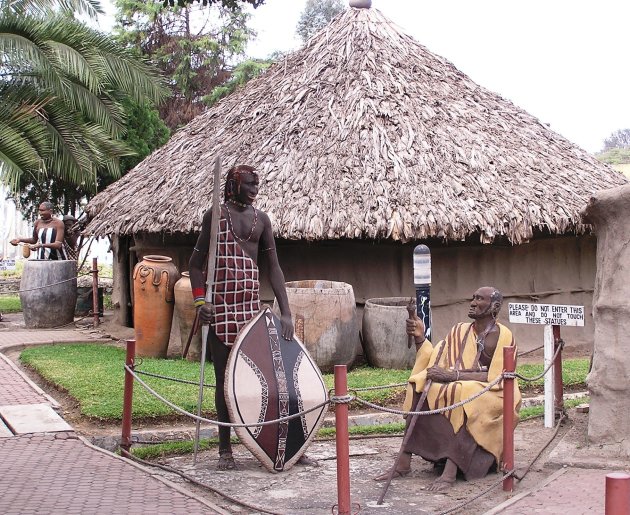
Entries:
{"x":268,"y":378}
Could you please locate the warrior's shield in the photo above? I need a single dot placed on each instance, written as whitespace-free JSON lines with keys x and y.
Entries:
{"x":269,"y":378}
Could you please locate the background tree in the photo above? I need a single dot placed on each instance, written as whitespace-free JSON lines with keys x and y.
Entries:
{"x":242,"y":73}
{"x":144,"y":132}
{"x":617,"y":151}
{"x":618,"y":139}
{"x":192,"y":46}
{"x":229,"y":4}
{"x":316,"y":15}
{"x":62,"y":85}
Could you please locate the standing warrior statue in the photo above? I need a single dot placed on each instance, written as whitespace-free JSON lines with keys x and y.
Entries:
{"x":245,"y":237}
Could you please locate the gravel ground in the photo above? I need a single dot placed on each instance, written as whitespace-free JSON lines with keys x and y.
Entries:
{"x":312,"y":490}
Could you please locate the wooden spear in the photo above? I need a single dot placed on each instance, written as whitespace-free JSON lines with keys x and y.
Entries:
{"x":212,"y":255}
{"x":412,"y":424}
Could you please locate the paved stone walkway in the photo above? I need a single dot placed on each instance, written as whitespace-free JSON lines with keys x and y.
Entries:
{"x":15,"y":388}
{"x":569,"y":491}
{"x":59,"y":472}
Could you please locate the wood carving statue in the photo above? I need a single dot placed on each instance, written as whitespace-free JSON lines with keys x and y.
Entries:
{"x":245,"y":239}
{"x":468,"y":439}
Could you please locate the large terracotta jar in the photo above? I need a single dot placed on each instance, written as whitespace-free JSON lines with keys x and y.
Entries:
{"x":154,"y":280}
{"x":185,"y":312}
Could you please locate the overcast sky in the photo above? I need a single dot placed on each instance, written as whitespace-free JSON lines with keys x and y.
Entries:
{"x":566,"y":62}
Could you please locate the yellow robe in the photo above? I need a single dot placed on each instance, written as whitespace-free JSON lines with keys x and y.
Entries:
{"x":484,"y":415}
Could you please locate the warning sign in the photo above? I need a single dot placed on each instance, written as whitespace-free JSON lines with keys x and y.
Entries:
{"x":546,"y":314}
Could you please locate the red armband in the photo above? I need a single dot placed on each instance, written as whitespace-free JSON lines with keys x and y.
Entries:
{"x":198,"y":292}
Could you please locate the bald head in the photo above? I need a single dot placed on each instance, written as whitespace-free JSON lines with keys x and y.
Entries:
{"x":486,"y":301}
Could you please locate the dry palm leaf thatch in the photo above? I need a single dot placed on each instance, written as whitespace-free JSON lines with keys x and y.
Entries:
{"x":365,"y":133}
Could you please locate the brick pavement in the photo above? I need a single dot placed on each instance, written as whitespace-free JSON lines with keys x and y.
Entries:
{"x":30,"y":337}
{"x":60,"y":473}
{"x":574,"y":491}
{"x":15,"y":388}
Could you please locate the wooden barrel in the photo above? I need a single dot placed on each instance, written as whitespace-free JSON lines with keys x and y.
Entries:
{"x":48,"y":293}
{"x":185,"y":313}
{"x":154,"y":280}
{"x":324,"y":316}
{"x":384,"y":333}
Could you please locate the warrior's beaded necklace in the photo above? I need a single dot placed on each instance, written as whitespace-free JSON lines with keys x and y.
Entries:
{"x":231,"y":226}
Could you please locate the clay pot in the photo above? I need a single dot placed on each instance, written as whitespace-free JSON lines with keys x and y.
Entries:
{"x":324,"y":316}
{"x":48,"y":293}
{"x":185,"y":312}
{"x":384,"y":333}
{"x":26,"y":251}
{"x":154,"y":280}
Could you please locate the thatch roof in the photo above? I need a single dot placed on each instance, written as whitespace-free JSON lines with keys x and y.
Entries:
{"x":365,"y":133}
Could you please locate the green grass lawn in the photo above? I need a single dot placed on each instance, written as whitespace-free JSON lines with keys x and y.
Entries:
{"x":10,"y":304}
{"x":574,"y":372}
{"x":93,"y":375}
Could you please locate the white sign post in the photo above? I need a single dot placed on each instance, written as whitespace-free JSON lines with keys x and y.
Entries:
{"x":550,"y":376}
{"x":552,"y":316}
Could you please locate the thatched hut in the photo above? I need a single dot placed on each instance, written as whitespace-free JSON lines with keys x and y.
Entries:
{"x":367,"y":144}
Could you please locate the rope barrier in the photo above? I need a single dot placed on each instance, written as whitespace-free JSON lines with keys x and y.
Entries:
{"x":536,"y":378}
{"x":53,"y":284}
{"x":174,"y":379}
{"x":90,"y":314}
{"x":562,"y":418}
{"x":474,"y":498}
{"x":346,"y":399}
{"x":216,"y":422}
{"x":384,"y":387}
{"x":525,"y":353}
{"x":437,"y":410}
{"x":341,"y":399}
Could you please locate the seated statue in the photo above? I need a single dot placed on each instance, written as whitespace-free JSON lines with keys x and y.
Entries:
{"x":468,"y":439}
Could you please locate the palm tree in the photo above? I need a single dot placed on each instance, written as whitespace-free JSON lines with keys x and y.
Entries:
{"x":61,"y":84}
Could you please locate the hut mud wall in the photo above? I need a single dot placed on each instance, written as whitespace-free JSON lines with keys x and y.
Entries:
{"x":554,"y":270}
{"x":608,"y":424}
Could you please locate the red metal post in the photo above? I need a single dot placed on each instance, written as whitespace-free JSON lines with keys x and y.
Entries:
{"x":95,"y":291}
{"x":558,"y":389}
{"x":125,"y":441}
{"x":509,"y":365}
{"x":617,"y":493}
{"x":342,"y":441}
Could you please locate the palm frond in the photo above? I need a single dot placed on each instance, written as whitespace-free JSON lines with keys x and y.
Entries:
{"x":91,"y":8}
{"x":63,"y":115}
